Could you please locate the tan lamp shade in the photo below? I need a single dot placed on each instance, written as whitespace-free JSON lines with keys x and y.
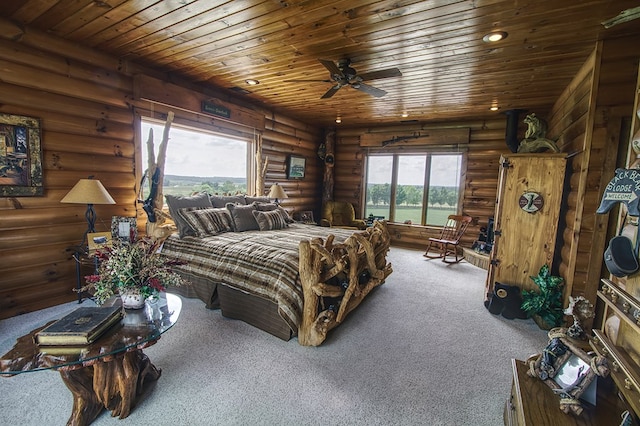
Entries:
{"x":88,"y":191}
{"x":277,"y":192}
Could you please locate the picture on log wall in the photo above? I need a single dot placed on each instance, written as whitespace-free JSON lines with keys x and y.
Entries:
{"x":20,"y":156}
{"x":295,"y":167}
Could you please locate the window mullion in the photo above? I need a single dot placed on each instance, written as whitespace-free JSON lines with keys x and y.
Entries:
{"x":394,"y":183}
{"x":425,"y":192}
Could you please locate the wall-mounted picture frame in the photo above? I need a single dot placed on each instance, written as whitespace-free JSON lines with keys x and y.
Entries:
{"x":295,"y":167}
{"x":20,"y":156}
{"x":98,"y":240}
{"x":124,"y":228}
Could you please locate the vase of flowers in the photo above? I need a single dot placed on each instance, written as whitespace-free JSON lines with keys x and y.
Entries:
{"x":135,"y":270}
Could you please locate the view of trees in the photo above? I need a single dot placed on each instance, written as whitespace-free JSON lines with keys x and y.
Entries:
{"x":411,"y":195}
{"x":187,"y":185}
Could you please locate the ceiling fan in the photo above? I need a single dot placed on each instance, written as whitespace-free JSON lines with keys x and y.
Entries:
{"x":343,"y":75}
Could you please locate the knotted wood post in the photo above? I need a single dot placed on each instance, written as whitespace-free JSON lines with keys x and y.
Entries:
{"x":323,"y":266}
{"x":158,"y":229}
{"x":329,"y":158}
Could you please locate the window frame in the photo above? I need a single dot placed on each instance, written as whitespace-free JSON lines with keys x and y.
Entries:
{"x":429,"y":154}
{"x":188,"y":124}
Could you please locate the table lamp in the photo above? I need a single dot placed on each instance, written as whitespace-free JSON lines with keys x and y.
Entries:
{"x":88,"y":191}
{"x":277,"y":192}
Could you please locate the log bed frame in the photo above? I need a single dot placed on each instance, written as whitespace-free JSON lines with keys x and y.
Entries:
{"x":361,"y":259}
{"x":331,"y":288}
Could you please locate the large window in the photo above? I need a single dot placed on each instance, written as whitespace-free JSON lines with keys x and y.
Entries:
{"x":421,"y":188}
{"x":199,"y":161}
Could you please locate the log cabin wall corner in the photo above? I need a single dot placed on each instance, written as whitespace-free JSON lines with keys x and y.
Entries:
{"x":85,"y":103}
{"x":589,"y":120}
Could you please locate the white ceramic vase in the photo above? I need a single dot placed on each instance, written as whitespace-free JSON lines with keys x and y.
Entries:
{"x":132,"y":299}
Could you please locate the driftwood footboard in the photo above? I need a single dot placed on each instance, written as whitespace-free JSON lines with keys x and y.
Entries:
{"x":337,"y":277}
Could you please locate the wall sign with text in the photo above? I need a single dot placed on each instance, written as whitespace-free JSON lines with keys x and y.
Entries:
{"x":623,"y":188}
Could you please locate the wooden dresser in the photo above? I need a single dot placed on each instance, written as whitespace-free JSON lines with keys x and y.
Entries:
{"x":532,"y":403}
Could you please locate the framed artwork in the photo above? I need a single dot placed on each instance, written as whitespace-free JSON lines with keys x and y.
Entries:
{"x":124,"y":228}
{"x":20,"y":156}
{"x":569,"y":371}
{"x":98,"y":240}
{"x":295,"y":167}
{"x":306,"y":216}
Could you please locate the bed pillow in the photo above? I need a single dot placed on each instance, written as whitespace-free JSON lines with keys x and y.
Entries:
{"x":257,"y":199}
{"x":176,"y":203}
{"x":269,"y":220}
{"x":267,"y":207}
{"x":242,"y":216}
{"x":223,"y":200}
{"x":207,"y":221}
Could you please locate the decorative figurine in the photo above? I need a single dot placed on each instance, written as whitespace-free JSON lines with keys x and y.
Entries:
{"x":581,"y":310}
{"x":534,"y":138}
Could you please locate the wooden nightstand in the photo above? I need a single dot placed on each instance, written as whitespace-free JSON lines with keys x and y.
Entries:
{"x":86,"y":264}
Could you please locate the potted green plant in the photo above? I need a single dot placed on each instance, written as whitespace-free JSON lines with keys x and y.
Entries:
{"x":134,"y":270}
{"x":545,"y":305}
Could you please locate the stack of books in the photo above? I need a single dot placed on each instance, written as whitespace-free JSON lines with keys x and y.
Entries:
{"x":81,"y":327}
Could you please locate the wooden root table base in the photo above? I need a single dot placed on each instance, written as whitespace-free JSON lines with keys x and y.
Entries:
{"x":111,"y":383}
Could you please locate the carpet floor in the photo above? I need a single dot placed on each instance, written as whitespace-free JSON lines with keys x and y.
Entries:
{"x":420,"y":350}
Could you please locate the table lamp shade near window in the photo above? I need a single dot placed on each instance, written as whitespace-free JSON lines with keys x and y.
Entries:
{"x":277,"y":192}
{"x":89,"y":192}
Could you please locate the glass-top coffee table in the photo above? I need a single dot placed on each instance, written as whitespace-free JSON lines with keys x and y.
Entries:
{"x":110,"y":372}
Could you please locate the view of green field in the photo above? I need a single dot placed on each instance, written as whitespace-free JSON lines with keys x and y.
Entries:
{"x":435,"y":215}
{"x":408,"y":199}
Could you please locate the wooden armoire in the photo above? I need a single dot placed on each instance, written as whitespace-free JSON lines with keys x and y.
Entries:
{"x":526,"y":217}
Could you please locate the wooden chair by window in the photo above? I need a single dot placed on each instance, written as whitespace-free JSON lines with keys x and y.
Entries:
{"x":447,"y":243}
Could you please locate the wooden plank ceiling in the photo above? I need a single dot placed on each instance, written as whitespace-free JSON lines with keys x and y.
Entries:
{"x":448,"y":72}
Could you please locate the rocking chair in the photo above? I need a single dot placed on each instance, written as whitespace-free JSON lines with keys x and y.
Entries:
{"x":447,"y":243}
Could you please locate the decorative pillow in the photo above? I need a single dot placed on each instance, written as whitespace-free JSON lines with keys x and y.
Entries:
{"x":207,"y":221}
{"x":267,"y":207}
{"x":178,"y":202}
{"x":222,"y":200}
{"x":242,"y":216}
{"x":257,"y":199}
{"x":270,"y":220}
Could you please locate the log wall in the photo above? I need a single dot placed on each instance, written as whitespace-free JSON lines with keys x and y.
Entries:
{"x":480,"y":176}
{"x":85,"y":103}
{"x":588,"y":120}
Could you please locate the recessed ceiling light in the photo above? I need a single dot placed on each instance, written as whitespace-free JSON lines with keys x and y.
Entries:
{"x":494,"y":108}
{"x":405,"y":114}
{"x":338,"y":120}
{"x":252,"y":82}
{"x":494,"y":36}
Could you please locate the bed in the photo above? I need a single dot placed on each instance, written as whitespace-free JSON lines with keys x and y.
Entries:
{"x":300,"y":280}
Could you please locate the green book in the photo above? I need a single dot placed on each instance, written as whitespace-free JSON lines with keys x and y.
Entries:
{"x":80,"y":327}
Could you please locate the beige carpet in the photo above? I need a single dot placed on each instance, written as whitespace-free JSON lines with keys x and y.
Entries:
{"x":421,"y":350}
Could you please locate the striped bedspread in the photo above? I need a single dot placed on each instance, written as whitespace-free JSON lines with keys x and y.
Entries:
{"x":261,"y":263}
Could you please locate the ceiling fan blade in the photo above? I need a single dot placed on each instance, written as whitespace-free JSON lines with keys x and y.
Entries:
{"x":624,"y":16}
{"x":373,"y":91}
{"x":307,"y":81}
{"x":331,"y":66}
{"x":330,"y":92}
{"x":375,"y":75}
